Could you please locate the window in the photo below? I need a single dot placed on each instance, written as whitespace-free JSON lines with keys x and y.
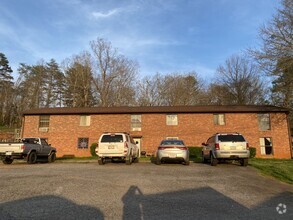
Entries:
{"x":83,"y":143}
{"x":44,"y":121}
{"x":231,"y":138}
{"x":172,"y":142}
{"x":171,"y":120}
{"x":219,"y":119}
{"x":264,"y":122}
{"x":112,"y":138}
{"x":135,"y":123}
{"x":266,"y":146}
{"x":85,"y":120}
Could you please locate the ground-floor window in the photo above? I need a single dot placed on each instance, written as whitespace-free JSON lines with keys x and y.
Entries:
{"x":266,"y":146}
{"x":83,"y":143}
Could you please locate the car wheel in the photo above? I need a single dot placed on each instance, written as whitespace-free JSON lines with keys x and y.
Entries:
{"x":52,"y":157}
{"x":158,"y":161}
{"x":214,"y":161}
{"x":203,"y":159}
{"x":32,"y":158}
{"x":129,"y":159}
{"x":101,"y":161}
{"x":7,"y":161}
{"x":244,"y":162}
{"x":187,"y":162}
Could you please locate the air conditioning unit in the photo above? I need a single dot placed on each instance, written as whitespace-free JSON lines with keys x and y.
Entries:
{"x":43,"y":129}
{"x":136,"y":129}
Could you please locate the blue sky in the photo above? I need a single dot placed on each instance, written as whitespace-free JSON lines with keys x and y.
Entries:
{"x":163,"y":36}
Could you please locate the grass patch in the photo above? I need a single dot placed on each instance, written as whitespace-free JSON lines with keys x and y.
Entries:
{"x":277,"y":168}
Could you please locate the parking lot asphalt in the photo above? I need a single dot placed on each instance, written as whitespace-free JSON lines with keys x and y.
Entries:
{"x":140,"y":191}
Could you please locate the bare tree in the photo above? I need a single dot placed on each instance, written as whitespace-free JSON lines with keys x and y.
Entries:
{"x":78,"y":78}
{"x":114,"y":74}
{"x":169,"y":90}
{"x":148,"y":92}
{"x":238,"y":82}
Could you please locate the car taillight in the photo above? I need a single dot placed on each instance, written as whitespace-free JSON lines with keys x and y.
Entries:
{"x":22,"y":147}
{"x":247,"y":146}
{"x":182,"y":148}
{"x":125,"y":145}
{"x":217,"y":146}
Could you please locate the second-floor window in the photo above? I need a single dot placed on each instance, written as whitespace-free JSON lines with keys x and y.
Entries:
{"x":85,"y":120}
{"x":44,"y":121}
{"x":264,"y":122}
{"x":219,"y":119}
{"x":135,"y":122}
{"x":171,"y":120}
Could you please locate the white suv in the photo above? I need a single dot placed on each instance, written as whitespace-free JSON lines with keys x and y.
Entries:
{"x":117,"y":146}
{"x":226,"y":146}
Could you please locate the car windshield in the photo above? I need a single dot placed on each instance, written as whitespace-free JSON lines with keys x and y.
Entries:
{"x":112,"y":138}
{"x":172,"y":142}
{"x":231,"y":138}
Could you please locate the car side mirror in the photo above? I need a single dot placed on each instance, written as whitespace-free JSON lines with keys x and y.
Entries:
{"x":136,"y":142}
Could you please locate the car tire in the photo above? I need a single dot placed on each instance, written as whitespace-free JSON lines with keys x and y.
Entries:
{"x":244,"y":162}
{"x":186,"y":163}
{"x":101,"y":161}
{"x":7,"y":161}
{"x":214,"y":161}
{"x":203,"y":159}
{"x":158,"y":161}
{"x":32,"y":158}
{"x":52,"y":157}
{"x":129,"y":159}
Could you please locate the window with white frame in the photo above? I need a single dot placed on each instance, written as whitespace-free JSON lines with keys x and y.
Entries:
{"x":135,"y":123}
{"x":83,"y":143}
{"x":171,"y":120}
{"x":85,"y":120}
{"x":266,"y":146}
{"x":219,"y":119}
{"x":44,"y":122}
{"x":264,"y":123}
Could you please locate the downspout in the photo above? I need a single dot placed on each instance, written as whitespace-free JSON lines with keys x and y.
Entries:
{"x":289,"y":133}
{"x":22,"y":126}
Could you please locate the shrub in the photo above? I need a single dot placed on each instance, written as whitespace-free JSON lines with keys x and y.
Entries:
{"x":195,"y":152}
{"x":93,"y":148}
{"x":252,"y":152}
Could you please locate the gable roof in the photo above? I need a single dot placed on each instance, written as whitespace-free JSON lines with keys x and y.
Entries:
{"x":158,"y":109}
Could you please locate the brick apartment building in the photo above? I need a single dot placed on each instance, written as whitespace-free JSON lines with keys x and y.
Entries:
{"x":73,"y":130}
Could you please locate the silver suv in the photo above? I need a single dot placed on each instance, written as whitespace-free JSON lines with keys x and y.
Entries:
{"x":226,"y":146}
{"x":117,"y":146}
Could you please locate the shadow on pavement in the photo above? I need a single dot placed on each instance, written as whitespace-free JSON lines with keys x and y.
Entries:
{"x":47,"y":207}
{"x":203,"y":203}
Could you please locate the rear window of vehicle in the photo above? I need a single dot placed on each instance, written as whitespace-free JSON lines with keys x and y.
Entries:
{"x":231,"y":138}
{"x":172,"y":142}
{"x":112,"y":138}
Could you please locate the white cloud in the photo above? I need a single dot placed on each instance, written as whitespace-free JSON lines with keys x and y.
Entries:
{"x":98,"y":15}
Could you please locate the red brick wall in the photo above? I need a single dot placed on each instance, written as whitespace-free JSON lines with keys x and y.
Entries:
{"x":194,"y":129}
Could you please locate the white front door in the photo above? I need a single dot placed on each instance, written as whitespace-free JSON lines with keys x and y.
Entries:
{"x":138,"y":144}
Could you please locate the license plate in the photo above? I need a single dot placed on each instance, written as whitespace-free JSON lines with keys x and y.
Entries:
{"x":8,"y":153}
{"x":233,"y":148}
{"x":110,"y":147}
{"x":172,"y":155}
